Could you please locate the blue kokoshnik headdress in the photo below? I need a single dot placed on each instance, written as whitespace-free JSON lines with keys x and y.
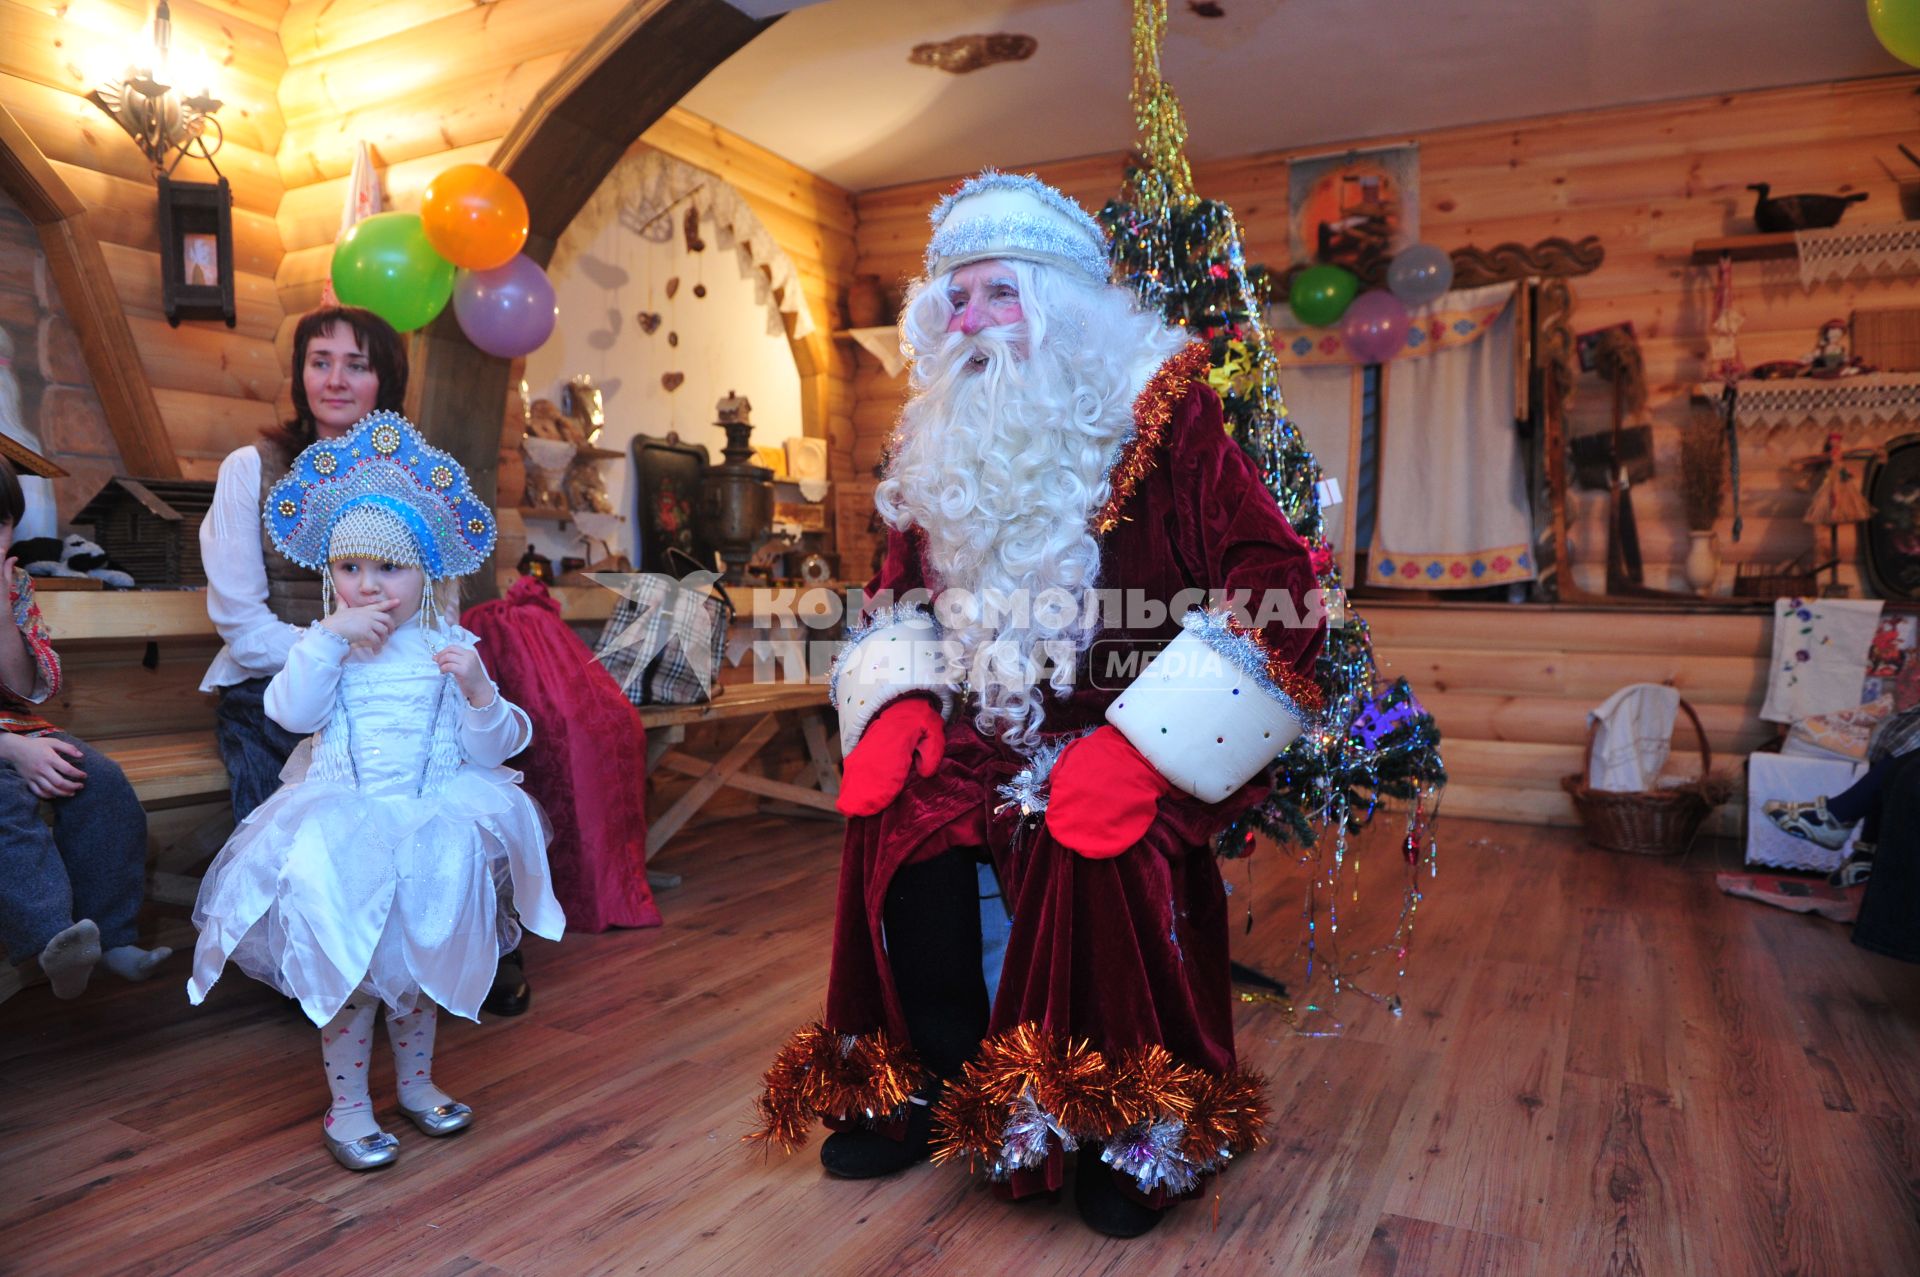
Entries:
{"x":381,"y":464}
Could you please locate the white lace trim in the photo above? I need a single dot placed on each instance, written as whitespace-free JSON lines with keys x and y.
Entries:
{"x":1874,"y":399}
{"x":1837,"y":252}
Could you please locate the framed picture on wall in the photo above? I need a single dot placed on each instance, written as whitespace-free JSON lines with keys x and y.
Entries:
{"x":1355,"y":209}
{"x":200,"y":260}
{"x":1893,"y":533}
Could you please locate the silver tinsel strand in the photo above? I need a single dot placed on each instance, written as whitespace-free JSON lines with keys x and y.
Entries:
{"x":1028,"y":788}
{"x":1211,"y":628}
{"x":1025,"y":1139}
{"x":1150,"y":1152}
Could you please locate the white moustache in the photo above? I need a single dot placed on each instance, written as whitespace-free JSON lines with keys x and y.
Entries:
{"x":1001,"y":348}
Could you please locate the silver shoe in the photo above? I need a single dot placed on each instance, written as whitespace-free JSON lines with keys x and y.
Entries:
{"x":441,"y":1119}
{"x":368,"y":1153}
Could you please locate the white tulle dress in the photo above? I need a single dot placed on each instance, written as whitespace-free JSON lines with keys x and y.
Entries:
{"x":399,"y":850}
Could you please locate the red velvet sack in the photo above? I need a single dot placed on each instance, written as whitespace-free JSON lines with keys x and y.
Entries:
{"x":588,"y":761}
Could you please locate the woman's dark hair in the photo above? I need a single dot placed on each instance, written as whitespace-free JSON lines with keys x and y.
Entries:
{"x":13,"y":502}
{"x":386,"y":351}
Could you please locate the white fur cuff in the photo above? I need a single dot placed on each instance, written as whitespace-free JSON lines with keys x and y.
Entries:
{"x":899,"y":656}
{"x":1203,"y":722}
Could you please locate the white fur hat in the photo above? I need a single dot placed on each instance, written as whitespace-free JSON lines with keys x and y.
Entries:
{"x":1008,"y":215}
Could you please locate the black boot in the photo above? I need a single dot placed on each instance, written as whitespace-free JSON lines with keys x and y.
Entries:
{"x":1104,"y":1205}
{"x":865,"y":1154}
{"x":933,"y":948}
{"x":511,"y":994}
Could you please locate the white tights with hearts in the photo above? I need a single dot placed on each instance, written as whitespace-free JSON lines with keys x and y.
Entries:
{"x":346,"y":1047}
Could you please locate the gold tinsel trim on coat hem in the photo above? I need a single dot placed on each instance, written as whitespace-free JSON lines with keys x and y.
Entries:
{"x":1152,"y":410}
{"x":821,"y":1073}
{"x":1027,"y":1087}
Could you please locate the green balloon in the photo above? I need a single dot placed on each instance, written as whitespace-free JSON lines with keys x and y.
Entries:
{"x":386,"y":264}
{"x":1321,"y":294}
{"x":1897,"y":24}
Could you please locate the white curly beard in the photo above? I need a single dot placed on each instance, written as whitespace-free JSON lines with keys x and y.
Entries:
{"x":1001,"y":459}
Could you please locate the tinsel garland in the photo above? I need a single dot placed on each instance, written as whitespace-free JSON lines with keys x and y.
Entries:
{"x":1152,"y":410}
{"x":820,"y":1074}
{"x":1164,"y":1123}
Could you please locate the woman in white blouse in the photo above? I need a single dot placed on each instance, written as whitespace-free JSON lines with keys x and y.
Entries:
{"x":347,"y":363}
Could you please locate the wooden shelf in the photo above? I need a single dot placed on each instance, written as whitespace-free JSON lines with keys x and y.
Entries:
{"x":1745,"y":248}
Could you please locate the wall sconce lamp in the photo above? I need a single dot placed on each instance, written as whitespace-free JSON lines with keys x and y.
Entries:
{"x":159,"y":119}
{"x":196,"y":218}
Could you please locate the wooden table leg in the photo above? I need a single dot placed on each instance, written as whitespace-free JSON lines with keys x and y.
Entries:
{"x":660,"y":740}
{"x":826,"y":771}
{"x":704,"y":788}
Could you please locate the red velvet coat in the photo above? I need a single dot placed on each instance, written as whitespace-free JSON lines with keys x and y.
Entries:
{"x":1131,"y":950}
{"x":587,"y":764}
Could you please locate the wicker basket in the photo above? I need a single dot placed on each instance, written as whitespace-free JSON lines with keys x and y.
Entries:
{"x":1648,"y":822}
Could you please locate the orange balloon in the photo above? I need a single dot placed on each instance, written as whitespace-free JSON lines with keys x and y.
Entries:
{"x":474,"y":216}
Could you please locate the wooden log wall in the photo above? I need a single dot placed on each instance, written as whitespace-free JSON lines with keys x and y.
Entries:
{"x":1649,"y":181}
{"x":1511,"y":700}
{"x":214,"y":386}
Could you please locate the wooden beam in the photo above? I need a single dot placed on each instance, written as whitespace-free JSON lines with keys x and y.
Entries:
{"x":570,"y":137}
{"x":93,"y":304}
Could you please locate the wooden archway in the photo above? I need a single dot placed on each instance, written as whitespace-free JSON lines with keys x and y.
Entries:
{"x":573,"y":133}
{"x":93,"y":303}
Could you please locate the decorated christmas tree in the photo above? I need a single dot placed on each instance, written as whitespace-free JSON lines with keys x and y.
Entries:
{"x":1184,"y":256}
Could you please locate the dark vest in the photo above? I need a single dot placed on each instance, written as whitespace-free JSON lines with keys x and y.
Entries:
{"x":293,"y":592}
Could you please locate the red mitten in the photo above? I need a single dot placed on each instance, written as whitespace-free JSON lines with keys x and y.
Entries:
{"x":906,"y":733}
{"x":1103,"y":794}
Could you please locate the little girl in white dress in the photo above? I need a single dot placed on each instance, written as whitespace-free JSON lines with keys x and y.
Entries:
{"x":401,"y":858}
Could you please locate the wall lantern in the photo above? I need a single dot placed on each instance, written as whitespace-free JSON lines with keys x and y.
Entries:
{"x":196,"y":218}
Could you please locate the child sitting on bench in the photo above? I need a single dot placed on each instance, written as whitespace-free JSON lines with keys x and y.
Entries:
{"x":69,"y":894}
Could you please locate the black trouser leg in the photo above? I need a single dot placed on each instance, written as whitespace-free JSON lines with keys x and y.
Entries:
{"x":933,"y":946}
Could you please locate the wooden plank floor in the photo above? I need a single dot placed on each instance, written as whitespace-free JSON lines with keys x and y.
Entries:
{"x":1603,"y":1067}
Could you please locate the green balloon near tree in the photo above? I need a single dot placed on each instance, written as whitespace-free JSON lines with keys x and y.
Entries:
{"x":386,"y":264}
{"x":1897,"y":24}
{"x":1321,"y":294}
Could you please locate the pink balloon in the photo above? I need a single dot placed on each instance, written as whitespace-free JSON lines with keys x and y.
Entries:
{"x":1375,"y":326}
{"x":507,"y":311}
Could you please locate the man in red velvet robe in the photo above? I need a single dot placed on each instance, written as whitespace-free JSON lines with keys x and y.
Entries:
{"x":1063,"y":502}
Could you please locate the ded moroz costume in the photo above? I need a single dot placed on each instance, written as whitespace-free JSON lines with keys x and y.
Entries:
{"x":1081,"y":454}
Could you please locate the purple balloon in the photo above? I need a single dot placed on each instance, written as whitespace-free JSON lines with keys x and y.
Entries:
{"x":1375,"y":326}
{"x":507,"y":311}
